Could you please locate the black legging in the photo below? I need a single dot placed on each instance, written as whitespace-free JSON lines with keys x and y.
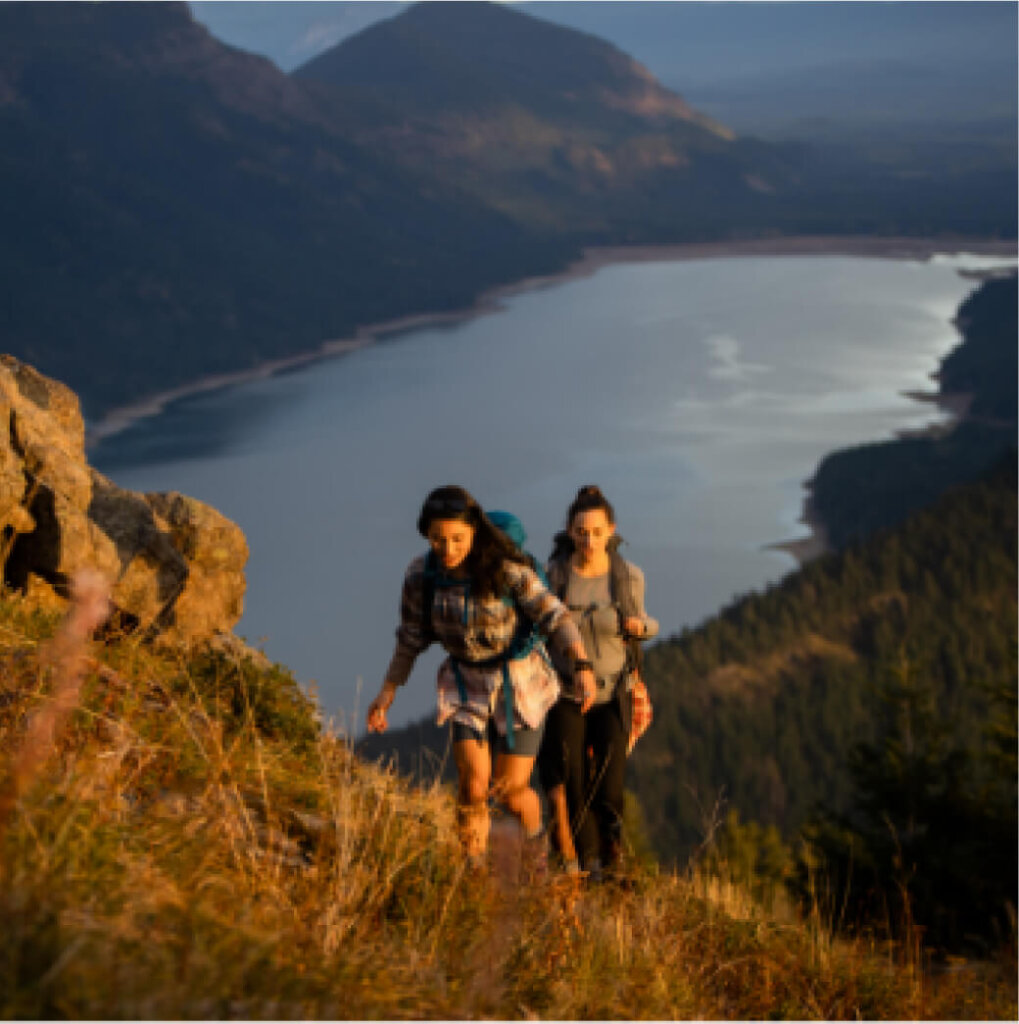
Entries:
{"x":562,"y":761}
{"x":607,"y":770}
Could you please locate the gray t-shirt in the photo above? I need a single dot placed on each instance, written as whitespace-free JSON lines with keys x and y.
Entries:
{"x":589,"y":599}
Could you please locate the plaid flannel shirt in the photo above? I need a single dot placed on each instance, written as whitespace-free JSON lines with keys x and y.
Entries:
{"x":475,"y":630}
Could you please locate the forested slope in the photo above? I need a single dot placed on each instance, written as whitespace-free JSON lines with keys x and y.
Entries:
{"x":763,"y":704}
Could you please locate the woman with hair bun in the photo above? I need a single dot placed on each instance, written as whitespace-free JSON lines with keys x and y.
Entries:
{"x":477,"y":594}
{"x":605,"y":596}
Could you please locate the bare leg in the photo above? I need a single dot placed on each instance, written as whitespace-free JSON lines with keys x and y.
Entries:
{"x":473,"y":770}
{"x":512,"y":787}
{"x":560,"y":814}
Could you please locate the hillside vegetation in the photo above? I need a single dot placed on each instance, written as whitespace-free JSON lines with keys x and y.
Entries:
{"x":191,"y":844}
{"x":766,"y":699}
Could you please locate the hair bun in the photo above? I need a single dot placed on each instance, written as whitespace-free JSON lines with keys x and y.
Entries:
{"x":590,"y":491}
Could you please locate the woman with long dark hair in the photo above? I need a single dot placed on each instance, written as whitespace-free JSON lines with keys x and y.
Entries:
{"x":583,"y":758}
{"x":477,"y":594}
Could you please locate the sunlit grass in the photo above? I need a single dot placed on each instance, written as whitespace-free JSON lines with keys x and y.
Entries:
{"x":196,"y":846}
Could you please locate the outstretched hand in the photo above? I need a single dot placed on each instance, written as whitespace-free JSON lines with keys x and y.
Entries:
{"x":376,"y":717}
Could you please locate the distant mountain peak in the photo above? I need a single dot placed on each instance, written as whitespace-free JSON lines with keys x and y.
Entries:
{"x":474,"y":55}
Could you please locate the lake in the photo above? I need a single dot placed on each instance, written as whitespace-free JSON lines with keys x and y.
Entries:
{"x":699,"y":394}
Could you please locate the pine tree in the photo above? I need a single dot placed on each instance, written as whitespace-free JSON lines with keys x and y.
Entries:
{"x":930,"y":840}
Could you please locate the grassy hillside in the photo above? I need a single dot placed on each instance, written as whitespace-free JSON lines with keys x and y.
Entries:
{"x":192,"y":845}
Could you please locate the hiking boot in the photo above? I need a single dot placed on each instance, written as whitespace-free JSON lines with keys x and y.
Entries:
{"x":613,"y":855}
{"x":570,"y":868}
{"x":593,"y":868}
{"x":473,"y":825}
{"x":534,"y":857}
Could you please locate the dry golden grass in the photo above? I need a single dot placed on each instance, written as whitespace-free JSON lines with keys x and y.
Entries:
{"x":194,"y":847}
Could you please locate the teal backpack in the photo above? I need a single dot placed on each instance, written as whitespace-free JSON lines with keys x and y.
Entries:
{"x":527,"y":636}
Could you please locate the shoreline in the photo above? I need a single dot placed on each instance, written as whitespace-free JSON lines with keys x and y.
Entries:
{"x":592,"y":260}
{"x":955,"y":405}
{"x":814,"y":544}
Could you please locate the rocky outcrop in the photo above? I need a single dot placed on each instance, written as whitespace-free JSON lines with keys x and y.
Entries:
{"x":175,"y":565}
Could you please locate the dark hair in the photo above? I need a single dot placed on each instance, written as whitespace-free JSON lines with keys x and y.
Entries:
{"x":491,"y":548}
{"x":588,"y":499}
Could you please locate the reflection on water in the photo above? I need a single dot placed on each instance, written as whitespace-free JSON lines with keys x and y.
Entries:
{"x":699,"y":395}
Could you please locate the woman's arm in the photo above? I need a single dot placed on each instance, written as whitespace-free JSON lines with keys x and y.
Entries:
{"x":411,"y":640}
{"x":641,"y":625}
{"x":376,"y":717}
{"x":554,"y":620}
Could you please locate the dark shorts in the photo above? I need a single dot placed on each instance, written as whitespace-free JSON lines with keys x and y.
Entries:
{"x":526,"y":742}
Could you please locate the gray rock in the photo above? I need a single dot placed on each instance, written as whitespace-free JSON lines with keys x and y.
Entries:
{"x":176,"y":566}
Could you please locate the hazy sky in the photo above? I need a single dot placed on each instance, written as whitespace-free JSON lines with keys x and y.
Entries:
{"x":679,"y":41}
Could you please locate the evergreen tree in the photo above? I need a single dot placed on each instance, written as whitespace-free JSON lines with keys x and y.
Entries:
{"x":930,"y":839}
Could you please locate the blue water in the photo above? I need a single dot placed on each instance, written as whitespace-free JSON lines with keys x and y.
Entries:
{"x":700,"y":395}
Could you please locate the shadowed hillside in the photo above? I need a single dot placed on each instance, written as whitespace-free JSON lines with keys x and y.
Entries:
{"x":174,"y":208}
{"x":764,"y":702}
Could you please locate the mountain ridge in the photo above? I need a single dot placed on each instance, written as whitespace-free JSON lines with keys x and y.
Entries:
{"x":176,"y":209}
{"x":573,"y":65}
{"x":548,"y":124}
{"x":196,"y":213}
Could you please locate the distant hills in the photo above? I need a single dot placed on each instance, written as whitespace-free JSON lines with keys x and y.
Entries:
{"x":555,"y":127}
{"x":761,"y":68}
{"x":175,"y":208}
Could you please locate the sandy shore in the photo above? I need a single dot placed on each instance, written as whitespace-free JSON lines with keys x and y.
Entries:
{"x":591,"y":261}
{"x":814,"y":544}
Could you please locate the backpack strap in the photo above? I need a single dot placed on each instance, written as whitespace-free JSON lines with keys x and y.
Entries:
{"x":558,"y":576}
{"x":432,"y":580}
{"x":626,"y":604}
